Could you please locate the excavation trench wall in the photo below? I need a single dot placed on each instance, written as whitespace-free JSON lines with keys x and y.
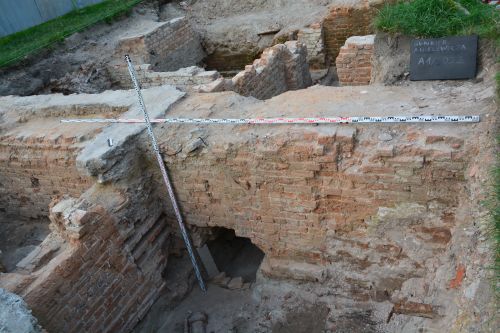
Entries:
{"x":101,"y":267}
{"x":371,"y":211}
{"x":37,"y":161}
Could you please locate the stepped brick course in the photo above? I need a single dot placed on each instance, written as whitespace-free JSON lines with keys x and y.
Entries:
{"x":354,"y":62}
{"x":280,"y":68}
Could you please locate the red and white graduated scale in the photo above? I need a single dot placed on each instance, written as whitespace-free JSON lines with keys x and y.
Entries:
{"x":313,"y":120}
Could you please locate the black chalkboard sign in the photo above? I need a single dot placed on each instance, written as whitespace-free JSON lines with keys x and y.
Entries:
{"x":443,"y":58}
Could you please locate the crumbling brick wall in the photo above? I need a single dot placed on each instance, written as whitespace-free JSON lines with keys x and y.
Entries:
{"x":165,"y":46}
{"x":185,"y":79}
{"x":354,"y":62}
{"x":281,"y":68}
{"x":34,"y":169}
{"x":343,"y":22}
{"x":312,"y":37}
{"x":108,"y":272}
{"x":288,"y":194}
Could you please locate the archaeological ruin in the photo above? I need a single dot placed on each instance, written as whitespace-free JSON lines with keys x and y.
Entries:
{"x":314,"y":227}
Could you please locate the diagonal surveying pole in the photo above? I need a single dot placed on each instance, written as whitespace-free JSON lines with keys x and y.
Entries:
{"x":164,"y":173}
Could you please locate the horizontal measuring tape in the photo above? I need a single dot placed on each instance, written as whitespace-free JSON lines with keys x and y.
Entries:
{"x":314,"y":120}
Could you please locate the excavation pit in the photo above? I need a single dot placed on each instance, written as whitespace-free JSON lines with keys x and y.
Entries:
{"x":19,"y":237}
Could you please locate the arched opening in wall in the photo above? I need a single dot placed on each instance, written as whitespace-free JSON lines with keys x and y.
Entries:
{"x":235,"y":256}
{"x":232,"y":263}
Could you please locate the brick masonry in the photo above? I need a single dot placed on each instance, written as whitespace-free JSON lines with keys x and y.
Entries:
{"x":166,"y":46}
{"x":102,"y":278}
{"x":34,"y":169}
{"x":366,"y":208}
{"x":185,"y":79}
{"x":280,"y":68}
{"x":312,"y":37}
{"x":354,"y":62}
{"x":290,"y":194}
{"x":346,"y":21}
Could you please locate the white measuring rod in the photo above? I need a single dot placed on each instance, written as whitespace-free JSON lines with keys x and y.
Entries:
{"x":313,"y":120}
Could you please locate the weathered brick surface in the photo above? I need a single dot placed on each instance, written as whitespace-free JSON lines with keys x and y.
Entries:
{"x":36,"y":168}
{"x":354,"y":62}
{"x":166,"y":46}
{"x":184,"y":79}
{"x":343,"y":22}
{"x":289,"y":194}
{"x":280,"y":68}
{"x":105,"y":277}
{"x":312,"y":38}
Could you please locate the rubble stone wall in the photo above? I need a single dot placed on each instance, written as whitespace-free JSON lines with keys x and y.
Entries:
{"x":354,"y":62}
{"x":281,"y":68}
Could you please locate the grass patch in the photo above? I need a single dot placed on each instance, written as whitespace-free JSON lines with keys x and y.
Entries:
{"x":27,"y":42}
{"x":439,"y":18}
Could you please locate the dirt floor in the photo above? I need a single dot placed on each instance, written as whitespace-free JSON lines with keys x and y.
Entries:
{"x":266,"y":306}
{"x":18,"y":237}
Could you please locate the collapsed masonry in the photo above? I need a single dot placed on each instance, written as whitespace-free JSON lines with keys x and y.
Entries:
{"x":362,"y":210}
{"x":381,"y":223}
{"x":280,"y":68}
{"x":169,"y":53}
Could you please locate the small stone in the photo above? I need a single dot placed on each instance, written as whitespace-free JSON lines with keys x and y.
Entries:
{"x":385,"y":136}
{"x":219,"y":278}
{"x":235,"y":283}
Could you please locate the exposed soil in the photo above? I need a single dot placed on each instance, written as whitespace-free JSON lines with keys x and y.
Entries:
{"x":19,"y":237}
{"x":233,"y":34}
{"x":77,"y":65}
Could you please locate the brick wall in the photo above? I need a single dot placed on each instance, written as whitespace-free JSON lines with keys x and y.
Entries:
{"x":312,"y":38}
{"x":354,"y":62}
{"x":289,"y":194}
{"x":108,"y":270}
{"x":343,"y":22}
{"x":184,"y":79}
{"x":281,"y":68}
{"x":34,"y":169}
{"x":166,"y":46}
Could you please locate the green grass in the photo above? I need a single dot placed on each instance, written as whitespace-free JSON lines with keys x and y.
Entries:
{"x":439,"y":18}
{"x":17,"y":46}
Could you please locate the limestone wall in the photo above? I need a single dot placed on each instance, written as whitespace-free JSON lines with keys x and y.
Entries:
{"x":354,"y":62}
